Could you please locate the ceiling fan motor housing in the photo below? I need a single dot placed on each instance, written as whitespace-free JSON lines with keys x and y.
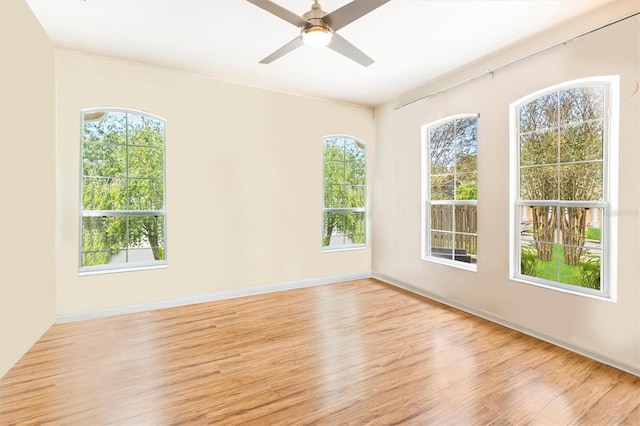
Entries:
{"x":316,"y":33}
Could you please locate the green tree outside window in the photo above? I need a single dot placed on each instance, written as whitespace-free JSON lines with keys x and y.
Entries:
{"x":123,"y":184}
{"x":344,"y":223}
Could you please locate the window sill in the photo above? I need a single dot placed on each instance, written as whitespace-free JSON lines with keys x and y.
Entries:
{"x":90,"y":272}
{"x":603,"y":296}
{"x":473,"y":267}
{"x":349,"y":248}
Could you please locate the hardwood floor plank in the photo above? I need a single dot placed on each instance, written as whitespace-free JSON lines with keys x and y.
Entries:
{"x":358,"y":352}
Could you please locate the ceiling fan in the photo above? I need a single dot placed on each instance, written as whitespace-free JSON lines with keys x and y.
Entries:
{"x":318,"y":28}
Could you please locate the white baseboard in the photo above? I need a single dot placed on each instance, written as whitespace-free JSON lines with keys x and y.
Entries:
{"x":495,"y":319}
{"x":210,"y":297}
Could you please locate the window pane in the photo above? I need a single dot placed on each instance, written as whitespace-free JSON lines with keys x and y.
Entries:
{"x":105,"y":127}
{"x":334,"y":196}
{"x":582,"y":142}
{"x":334,"y":172}
{"x":344,"y":228}
{"x":442,"y":217}
{"x":442,"y":244}
{"x":442,"y":187}
{"x":573,"y":221}
{"x":146,"y":238}
{"x":539,"y":183}
{"x":145,"y":131}
{"x":104,"y":159}
{"x":572,"y":260}
{"x":102,"y":193}
{"x":356,"y":172}
{"x":581,"y":104}
{"x":593,"y":227}
{"x":467,"y":186}
{"x":466,"y":226}
{"x":526,"y":225}
{"x":453,"y":164}
{"x":563,"y":243}
{"x":344,"y":188}
{"x":102,"y":238}
{"x":122,"y":171}
{"x":466,"y":140}
{"x":539,"y":148}
{"x":443,"y":161}
{"x":146,"y":194}
{"x":581,"y":182}
{"x":466,"y":162}
{"x":466,"y":248}
{"x":145,"y":162}
{"x":351,"y":151}
{"x":543,"y":224}
{"x":466,"y":219}
{"x":441,"y":137}
{"x":355,"y":227}
{"x":333,"y":224}
{"x":581,"y":266}
{"x":539,"y":260}
{"x":355,"y":196}
{"x":334,"y":149}
{"x":539,"y":114}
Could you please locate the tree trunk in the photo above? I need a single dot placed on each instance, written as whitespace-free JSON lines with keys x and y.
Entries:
{"x":330,"y":225}
{"x":544,"y":227}
{"x":152,"y":234}
{"x":573,"y":234}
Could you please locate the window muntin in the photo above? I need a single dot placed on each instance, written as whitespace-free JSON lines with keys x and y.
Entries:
{"x":562,"y":206}
{"x":344,"y":187}
{"x":450,"y":191}
{"x":122,"y":190}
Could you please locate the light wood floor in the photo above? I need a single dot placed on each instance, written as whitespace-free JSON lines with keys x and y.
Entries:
{"x":359,"y":352}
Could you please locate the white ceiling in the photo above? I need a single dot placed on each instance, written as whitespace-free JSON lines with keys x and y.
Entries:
{"x":412,"y":41}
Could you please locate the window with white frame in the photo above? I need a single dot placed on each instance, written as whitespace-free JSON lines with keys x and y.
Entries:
{"x":344,"y":182}
{"x":123,"y":213}
{"x":564,"y":161}
{"x":450,"y":191}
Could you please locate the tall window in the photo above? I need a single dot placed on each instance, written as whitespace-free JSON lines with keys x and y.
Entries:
{"x":562,"y":159}
{"x":450,"y":191}
{"x":123,"y":186}
{"x":345,"y":172}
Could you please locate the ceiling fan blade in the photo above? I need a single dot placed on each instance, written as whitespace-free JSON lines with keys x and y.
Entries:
{"x":350,"y":12}
{"x":280,"y":12}
{"x":342,"y":46}
{"x":292,"y":45}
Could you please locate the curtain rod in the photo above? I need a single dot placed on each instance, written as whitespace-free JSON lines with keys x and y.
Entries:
{"x":490,"y":71}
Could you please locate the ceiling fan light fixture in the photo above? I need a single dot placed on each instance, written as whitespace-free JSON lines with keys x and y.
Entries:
{"x":317,"y":35}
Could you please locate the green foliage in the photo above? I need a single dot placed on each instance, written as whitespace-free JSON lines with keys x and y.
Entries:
{"x":344,"y":190}
{"x":123,"y":178}
{"x":589,"y":267}
{"x":561,"y":154}
{"x":585,"y":274}
{"x":593,"y":234}
{"x":467,"y":191}
{"x":529,"y":261}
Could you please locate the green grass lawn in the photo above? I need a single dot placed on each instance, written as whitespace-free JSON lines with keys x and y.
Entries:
{"x":593,"y":234}
{"x":557,"y":270}
{"x":549,"y":269}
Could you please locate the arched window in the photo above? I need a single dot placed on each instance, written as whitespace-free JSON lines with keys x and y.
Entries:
{"x":122,"y":190}
{"x":564,"y":162}
{"x":345,"y":189}
{"x":450,"y":191}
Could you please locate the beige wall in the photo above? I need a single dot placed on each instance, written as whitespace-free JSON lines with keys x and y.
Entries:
{"x":27,"y":192}
{"x":244,"y":183}
{"x":610,"y":331}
